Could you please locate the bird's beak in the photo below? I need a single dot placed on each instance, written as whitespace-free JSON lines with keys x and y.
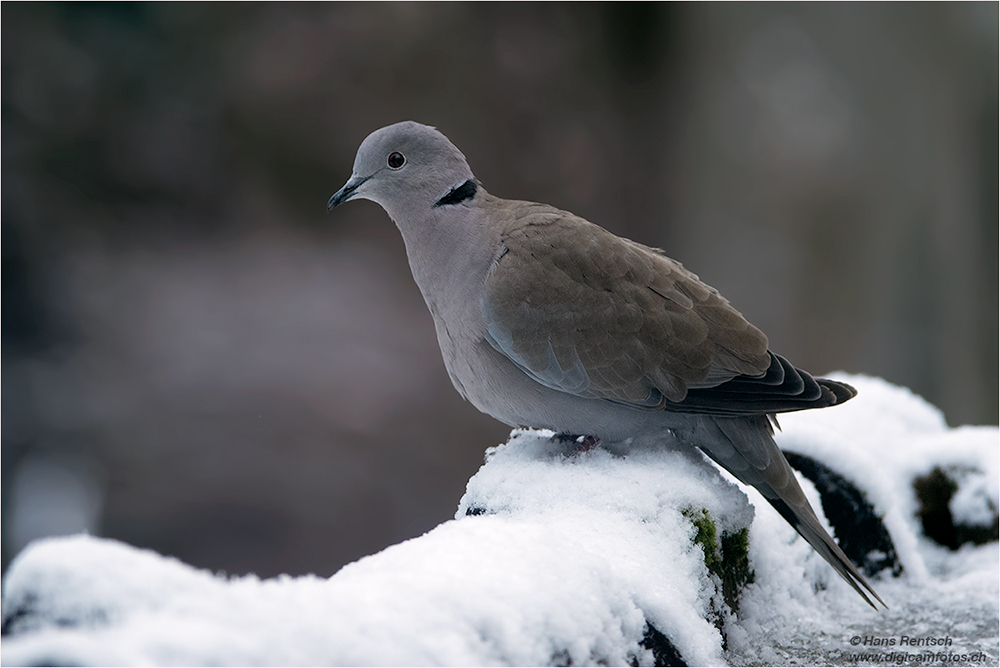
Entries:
{"x":345,"y":193}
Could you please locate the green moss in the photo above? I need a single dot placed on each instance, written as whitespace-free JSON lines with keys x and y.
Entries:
{"x":727,"y":557}
{"x":735,"y":571}
{"x":706,"y":536}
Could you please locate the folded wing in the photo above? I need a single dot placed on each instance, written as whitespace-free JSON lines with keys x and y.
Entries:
{"x":583,"y":311}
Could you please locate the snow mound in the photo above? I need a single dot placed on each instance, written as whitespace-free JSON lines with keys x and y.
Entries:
{"x":563,"y":555}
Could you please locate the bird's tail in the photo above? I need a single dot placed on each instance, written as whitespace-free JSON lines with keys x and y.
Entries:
{"x":745,"y":447}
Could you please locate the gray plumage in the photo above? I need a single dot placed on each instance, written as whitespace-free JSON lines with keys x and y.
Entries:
{"x":546,"y":320}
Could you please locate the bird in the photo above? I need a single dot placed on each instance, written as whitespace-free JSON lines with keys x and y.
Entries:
{"x":548,"y":321}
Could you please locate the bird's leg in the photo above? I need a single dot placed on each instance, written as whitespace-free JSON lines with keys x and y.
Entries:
{"x":583,"y":443}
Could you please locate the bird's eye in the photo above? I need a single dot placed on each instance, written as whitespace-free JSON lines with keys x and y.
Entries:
{"x":396,"y":160}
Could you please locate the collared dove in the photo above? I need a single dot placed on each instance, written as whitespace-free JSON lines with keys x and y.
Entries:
{"x":546,"y":320}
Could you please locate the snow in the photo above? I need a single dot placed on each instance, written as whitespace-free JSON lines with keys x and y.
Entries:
{"x":559,"y":556}
{"x":881,"y":441}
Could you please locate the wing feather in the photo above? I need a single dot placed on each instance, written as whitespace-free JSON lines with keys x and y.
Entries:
{"x":586,"y":312}
{"x":583,"y":311}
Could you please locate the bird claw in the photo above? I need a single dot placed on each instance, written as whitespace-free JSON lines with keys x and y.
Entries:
{"x":583,"y":443}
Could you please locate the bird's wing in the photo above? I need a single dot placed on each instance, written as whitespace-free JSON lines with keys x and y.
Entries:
{"x":586,"y":312}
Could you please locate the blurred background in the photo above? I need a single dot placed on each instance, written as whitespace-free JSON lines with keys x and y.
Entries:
{"x":197,"y":359}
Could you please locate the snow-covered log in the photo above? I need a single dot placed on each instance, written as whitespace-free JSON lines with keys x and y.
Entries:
{"x":562,"y":555}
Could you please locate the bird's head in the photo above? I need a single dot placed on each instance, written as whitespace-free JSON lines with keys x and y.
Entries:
{"x":404,"y":167}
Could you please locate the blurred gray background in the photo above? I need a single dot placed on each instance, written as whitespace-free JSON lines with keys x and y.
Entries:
{"x":197,"y":359}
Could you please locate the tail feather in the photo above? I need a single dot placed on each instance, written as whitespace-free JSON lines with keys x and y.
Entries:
{"x":809,"y":528}
{"x":745,"y":447}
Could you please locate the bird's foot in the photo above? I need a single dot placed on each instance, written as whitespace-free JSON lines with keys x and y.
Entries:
{"x":583,"y":443}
